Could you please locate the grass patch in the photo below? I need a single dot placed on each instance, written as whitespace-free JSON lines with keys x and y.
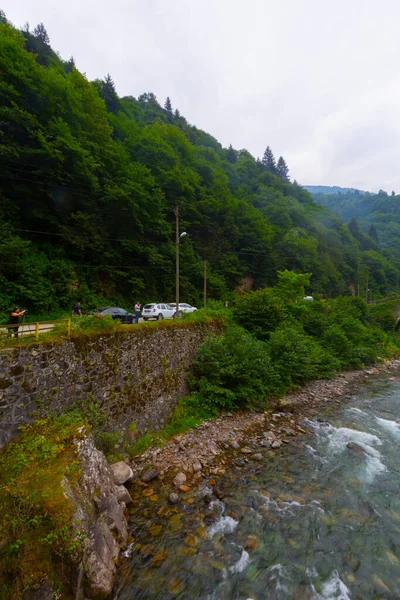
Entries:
{"x":188,"y":414}
{"x":35,"y":514}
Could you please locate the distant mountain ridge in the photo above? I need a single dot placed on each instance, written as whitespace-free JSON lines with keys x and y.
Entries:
{"x":330,"y":189}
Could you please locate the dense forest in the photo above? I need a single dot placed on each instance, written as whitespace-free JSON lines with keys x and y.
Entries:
{"x":369,"y":216}
{"x":88,"y":186}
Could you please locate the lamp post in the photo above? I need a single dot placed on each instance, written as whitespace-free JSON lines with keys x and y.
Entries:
{"x":177,"y":241}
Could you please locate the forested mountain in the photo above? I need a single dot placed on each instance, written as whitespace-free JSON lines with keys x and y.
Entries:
{"x":89,"y":182}
{"x":330,"y":189}
{"x":377,"y":215}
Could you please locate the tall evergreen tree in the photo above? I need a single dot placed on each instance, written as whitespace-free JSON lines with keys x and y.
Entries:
{"x":41,"y":34}
{"x":69,"y":65}
{"x":109,"y":94}
{"x":177,"y":114}
{"x":268,"y":160}
{"x":282,"y":169}
{"x":373,"y":233}
{"x":231,"y":154}
{"x":3,"y":18}
{"x":168,"y":109}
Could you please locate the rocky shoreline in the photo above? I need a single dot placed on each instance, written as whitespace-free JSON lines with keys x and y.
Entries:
{"x":238,"y":438}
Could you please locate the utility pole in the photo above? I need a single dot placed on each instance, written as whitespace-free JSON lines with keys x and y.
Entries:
{"x":176,"y":211}
{"x":205,"y":286}
{"x":177,"y":241}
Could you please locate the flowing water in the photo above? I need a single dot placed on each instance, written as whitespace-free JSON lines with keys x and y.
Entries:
{"x":317,"y":520}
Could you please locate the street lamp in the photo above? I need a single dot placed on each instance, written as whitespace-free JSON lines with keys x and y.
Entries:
{"x":178,"y":237}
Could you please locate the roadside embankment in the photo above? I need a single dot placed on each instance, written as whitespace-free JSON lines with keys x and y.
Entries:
{"x":133,"y":377}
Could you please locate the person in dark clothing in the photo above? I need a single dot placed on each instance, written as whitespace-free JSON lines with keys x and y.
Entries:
{"x":15,"y":314}
{"x":76,"y":311}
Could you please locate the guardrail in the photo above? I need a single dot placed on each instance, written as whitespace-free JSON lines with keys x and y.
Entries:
{"x":34,"y":330}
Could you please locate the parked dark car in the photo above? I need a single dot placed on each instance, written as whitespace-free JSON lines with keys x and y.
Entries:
{"x":116,"y":313}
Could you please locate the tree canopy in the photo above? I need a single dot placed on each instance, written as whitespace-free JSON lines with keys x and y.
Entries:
{"x":89,"y":181}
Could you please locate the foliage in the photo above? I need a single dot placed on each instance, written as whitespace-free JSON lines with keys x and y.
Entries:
{"x":298,"y":357}
{"x":260,"y":312}
{"x":233,"y":371}
{"x":94,"y":323}
{"x":291,"y":285}
{"x":89,"y":180}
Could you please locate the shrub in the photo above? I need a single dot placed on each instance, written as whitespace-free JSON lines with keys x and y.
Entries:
{"x":233,"y":371}
{"x":297,"y":357}
{"x":94,"y":323}
{"x":260,"y":312}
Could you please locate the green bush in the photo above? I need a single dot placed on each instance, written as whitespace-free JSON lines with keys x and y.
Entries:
{"x":260,"y":312}
{"x":233,"y":371}
{"x":297,"y":357}
{"x":384,"y":315}
{"x":93,"y":324}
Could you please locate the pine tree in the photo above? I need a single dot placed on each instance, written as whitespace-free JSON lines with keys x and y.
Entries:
{"x":3,"y":18}
{"x":282,"y":169}
{"x":268,"y":160}
{"x":177,"y":114}
{"x":373,"y":233}
{"x":109,"y":94}
{"x":41,"y":34}
{"x":168,"y":109}
{"x":69,"y":65}
{"x":231,"y":154}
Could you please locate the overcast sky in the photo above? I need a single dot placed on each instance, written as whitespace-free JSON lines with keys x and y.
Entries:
{"x":317,"y":81}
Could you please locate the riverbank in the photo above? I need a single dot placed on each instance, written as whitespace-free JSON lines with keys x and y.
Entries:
{"x":210,"y":448}
{"x":316,"y":518}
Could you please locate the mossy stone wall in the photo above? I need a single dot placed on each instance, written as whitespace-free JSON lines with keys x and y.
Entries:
{"x":134,"y":377}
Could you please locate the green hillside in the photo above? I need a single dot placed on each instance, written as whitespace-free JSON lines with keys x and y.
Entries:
{"x":88,"y":186}
{"x":377,"y":215}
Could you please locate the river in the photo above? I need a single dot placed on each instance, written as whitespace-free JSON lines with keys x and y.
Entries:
{"x":318,"y":519}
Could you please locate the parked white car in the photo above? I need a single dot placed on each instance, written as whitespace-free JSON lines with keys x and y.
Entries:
{"x":183,"y":307}
{"x":158,"y":311}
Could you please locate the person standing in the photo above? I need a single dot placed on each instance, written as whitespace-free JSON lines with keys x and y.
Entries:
{"x":137,"y":312}
{"x":76,"y":311}
{"x":14,"y":316}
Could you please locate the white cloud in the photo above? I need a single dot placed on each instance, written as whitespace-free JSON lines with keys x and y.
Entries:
{"x":316,"y":81}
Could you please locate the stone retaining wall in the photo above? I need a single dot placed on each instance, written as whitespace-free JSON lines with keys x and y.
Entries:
{"x":135,"y":377}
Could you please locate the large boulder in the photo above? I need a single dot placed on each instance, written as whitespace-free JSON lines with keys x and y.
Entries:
{"x":121,"y":472}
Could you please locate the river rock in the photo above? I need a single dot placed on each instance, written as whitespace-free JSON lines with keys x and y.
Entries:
{"x":239,"y":462}
{"x":355,"y":448}
{"x":123,"y":495}
{"x":276,"y":444}
{"x":173,"y":498}
{"x":150,"y":474}
{"x":266,"y":443}
{"x":257,"y":457}
{"x":269,"y":434}
{"x":235,"y":445}
{"x":246,"y":450}
{"x":180,"y":479}
{"x":121,"y":472}
{"x":197,"y":466}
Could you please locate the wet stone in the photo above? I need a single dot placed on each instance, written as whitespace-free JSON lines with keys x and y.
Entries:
{"x":235,"y":445}
{"x":276,"y":444}
{"x":258,"y":457}
{"x":150,"y":474}
{"x":180,"y":479}
{"x":173,"y":498}
{"x":240,"y":462}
